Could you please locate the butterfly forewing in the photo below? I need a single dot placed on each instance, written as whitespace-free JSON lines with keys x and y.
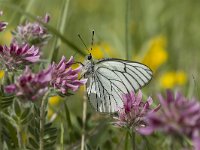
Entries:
{"x":111,"y":79}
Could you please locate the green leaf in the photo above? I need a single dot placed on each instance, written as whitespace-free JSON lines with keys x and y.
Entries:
{"x":17,"y":108}
{"x":25,"y":113}
{"x":68,"y":118}
{"x":51,"y":138}
{"x":9,"y":130}
{"x":29,"y":148}
{"x":33,"y":143}
{"x":49,"y":145}
{"x":6,"y":101}
{"x":48,"y":125}
{"x":31,"y":130}
{"x":7,"y":139}
{"x":87,"y":147}
{"x":27,"y":119}
{"x":80,"y":121}
{"x":34,"y":131}
{"x":50,"y":131}
{"x":36,"y":110}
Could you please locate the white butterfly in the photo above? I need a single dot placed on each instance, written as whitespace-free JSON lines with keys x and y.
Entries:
{"x":109,"y":79}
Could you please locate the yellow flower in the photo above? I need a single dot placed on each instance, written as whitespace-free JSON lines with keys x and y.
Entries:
{"x":1,"y":74}
{"x":172,"y":78}
{"x":102,"y":50}
{"x":167,"y":80}
{"x":99,"y":51}
{"x":6,"y":36}
{"x":53,"y":101}
{"x":50,"y":113}
{"x":155,"y":54}
{"x":181,"y":78}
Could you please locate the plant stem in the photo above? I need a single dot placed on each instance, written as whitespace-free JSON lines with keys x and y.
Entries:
{"x":0,"y":130}
{"x":28,"y":7}
{"x":84,"y":120}
{"x":133,"y":139}
{"x":42,"y":120}
{"x":126,"y":140}
{"x":19,"y":137}
{"x":62,"y":136}
{"x":126,"y":29}
{"x":171,"y":143}
{"x":61,"y":28}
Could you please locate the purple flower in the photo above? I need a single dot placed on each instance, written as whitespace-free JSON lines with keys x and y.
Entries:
{"x":134,"y":110}
{"x":16,"y":56}
{"x":196,"y":142}
{"x":177,"y":116}
{"x":2,"y":24}
{"x":64,"y":77}
{"x":32,"y":33}
{"x":30,"y":86}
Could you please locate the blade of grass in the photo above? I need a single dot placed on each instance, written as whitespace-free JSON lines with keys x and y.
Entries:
{"x":133,"y":138}
{"x":84,"y":120}
{"x":62,"y":136}
{"x":68,"y":118}
{"x":50,"y":28}
{"x":126,"y":29}
{"x":0,"y":130}
{"x":28,"y":7}
{"x":126,"y":141}
{"x":61,"y":28}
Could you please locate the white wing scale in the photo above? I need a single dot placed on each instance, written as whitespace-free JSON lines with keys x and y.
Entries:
{"x":111,"y":79}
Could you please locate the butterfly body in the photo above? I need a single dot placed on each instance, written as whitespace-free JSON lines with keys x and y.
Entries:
{"x":110,"y":79}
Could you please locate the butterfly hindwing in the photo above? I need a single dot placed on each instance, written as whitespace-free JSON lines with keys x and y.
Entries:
{"x":111,"y":79}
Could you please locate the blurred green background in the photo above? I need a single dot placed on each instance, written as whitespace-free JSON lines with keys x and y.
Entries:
{"x":163,"y":34}
{"x":170,"y":28}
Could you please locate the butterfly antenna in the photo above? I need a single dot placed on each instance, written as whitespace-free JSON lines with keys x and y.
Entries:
{"x":83,"y":42}
{"x":74,"y":54}
{"x":92,"y":40}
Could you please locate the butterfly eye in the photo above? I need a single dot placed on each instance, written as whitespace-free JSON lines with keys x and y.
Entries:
{"x":89,"y":57}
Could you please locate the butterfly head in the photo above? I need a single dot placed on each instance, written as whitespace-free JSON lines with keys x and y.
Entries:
{"x":89,"y":57}
{"x":87,"y":69}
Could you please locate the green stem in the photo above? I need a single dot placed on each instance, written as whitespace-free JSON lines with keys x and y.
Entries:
{"x":61,"y":29}
{"x":28,"y":7}
{"x":42,"y":120}
{"x":62,"y":136}
{"x":133,"y":139}
{"x":19,"y":137}
{"x":0,"y":130}
{"x":171,"y":144}
{"x":126,"y":140}
{"x":84,"y":121}
{"x":126,"y":29}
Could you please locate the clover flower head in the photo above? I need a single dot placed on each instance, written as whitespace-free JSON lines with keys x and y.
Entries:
{"x":2,"y":24}
{"x":32,"y":33}
{"x":16,"y":56}
{"x":134,"y":110}
{"x":30,"y":86}
{"x":177,"y":116}
{"x":64,"y":77}
{"x":196,"y":142}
